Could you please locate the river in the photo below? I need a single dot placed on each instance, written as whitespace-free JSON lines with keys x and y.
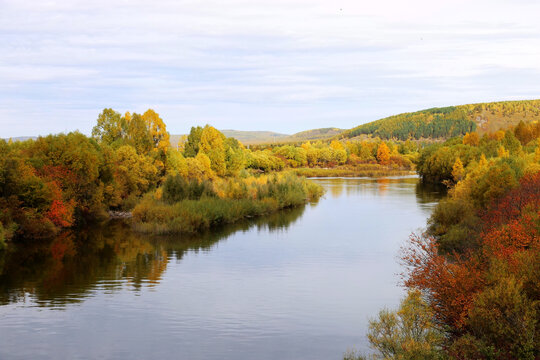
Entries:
{"x":299,"y":284}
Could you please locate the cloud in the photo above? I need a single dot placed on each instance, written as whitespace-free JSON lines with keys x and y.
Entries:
{"x":282,"y":65}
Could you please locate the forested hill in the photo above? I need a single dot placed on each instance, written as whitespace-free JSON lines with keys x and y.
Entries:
{"x":450,"y":121}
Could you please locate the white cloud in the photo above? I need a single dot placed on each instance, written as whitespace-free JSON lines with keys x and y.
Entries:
{"x":289,"y":64}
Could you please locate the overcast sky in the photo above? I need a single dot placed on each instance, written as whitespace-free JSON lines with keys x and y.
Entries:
{"x":280,"y":65}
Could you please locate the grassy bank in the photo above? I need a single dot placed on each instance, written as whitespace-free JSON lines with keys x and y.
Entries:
{"x":223,"y":202}
{"x":365,"y":170}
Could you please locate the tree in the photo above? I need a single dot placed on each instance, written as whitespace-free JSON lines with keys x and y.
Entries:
{"x":383,"y":154}
{"x":213,"y":145}
{"x":138,"y":135}
{"x":409,"y":333}
{"x":191,"y":148}
{"x":450,"y":285}
{"x":110,"y":127}
{"x":457,"y":170}
{"x":504,"y":319}
{"x":471,"y":139}
{"x":157,"y":130}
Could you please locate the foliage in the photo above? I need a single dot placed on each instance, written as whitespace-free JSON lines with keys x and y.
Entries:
{"x":235,"y":200}
{"x":191,"y":148}
{"x":383,"y":154}
{"x":484,"y":288}
{"x":177,"y":188}
{"x":408,"y":333}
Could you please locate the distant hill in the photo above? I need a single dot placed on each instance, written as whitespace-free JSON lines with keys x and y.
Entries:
{"x":268,"y":137}
{"x":315,"y":134}
{"x":450,"y":121}
{"x":254,"y":137}
{"x":22,"y":138}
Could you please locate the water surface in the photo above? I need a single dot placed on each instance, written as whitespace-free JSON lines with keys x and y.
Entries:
{"x":299,"y":284}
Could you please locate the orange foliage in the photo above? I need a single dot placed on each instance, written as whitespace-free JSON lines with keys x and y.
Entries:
{"x":450,"y":284}
{"x":510,"y":226}
{"x":512,"y":223}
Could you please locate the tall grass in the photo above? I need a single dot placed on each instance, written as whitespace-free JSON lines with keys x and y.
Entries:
{"x":232,"y":200}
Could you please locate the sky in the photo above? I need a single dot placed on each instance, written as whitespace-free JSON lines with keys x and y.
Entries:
{"x":278,"y":65}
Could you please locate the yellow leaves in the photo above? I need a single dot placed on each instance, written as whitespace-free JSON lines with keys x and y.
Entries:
{"x":383,"y":154}
{"x":336,"y":145}
{"x":176,"y":163}
{"x":457,"y":170}
{"x":212,"y":145}
{"x":199,"y":167}
{"x":158,"y":194}
{"x":502,"y":152}
{"x":157,"y":130}
{"x":471,"y":139}
{"x":499,"y":135}
{"x":306,"y":145}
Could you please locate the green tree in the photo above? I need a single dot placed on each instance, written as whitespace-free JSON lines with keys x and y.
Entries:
{"x":213,"y":145}
{"x":191,"y":148}
{"x":408,"y":333}
{"x":110,"y":127}
{"x":138,"y":135}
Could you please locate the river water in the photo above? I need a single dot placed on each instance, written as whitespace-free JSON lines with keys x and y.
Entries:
{"x":300,"y":284}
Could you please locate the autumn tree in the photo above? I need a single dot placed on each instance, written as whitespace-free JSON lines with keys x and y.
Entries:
{"x":191,"y":147}
{"x":110,"y":127}
{"x":383,"y":154}
{"x":212,"y":144}
{"x":457,"y":170}
{"x":138,"y":135}
{"x":471,"y":139}
{"x":408,"y":333}
{"x":157,"y":130}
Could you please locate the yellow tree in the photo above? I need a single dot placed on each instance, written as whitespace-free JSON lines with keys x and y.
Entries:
{"x":502,"y":152}
{"x":157,"y":130}
{"x":383,"y":154}
{"x":457,"y":170}
{"x":471,"y":139}
{"x":213,"y":145}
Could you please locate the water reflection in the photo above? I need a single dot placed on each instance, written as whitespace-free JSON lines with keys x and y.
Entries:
{"x":425,"y":193}
{"x":299,"y":284}
{"x":109,"y":257}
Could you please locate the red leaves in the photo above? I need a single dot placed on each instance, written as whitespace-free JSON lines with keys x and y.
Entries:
{"x":450,"y":284}
{"x":61,"y":210}
{"x":510,"y":226}
{"x":513,"y":223}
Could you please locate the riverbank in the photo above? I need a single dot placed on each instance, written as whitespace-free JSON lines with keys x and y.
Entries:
{"x":365,"y":170}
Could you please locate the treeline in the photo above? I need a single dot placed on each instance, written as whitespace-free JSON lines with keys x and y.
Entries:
{"x":449,"y":121}
{"x":474,"y":275}
{"x":65,"y":180}
{"x":324,"y":154}
{"x":60,"y":181}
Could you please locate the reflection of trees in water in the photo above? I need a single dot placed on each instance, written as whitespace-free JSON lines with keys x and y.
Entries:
{"x":382,"y":186}
{"x":178,"y":245}
{"x":67,"y":269}
{"x":430,"y":193}
{"x":336,"y":188}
